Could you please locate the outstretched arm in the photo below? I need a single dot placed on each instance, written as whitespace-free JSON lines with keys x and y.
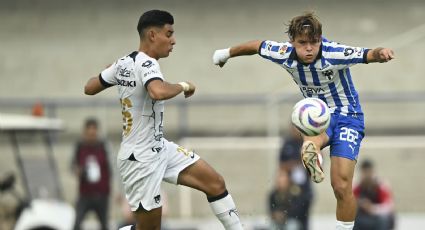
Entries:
{"x":380,"y":55}
{"x":162,"y":90}
{"x":220,"y":57}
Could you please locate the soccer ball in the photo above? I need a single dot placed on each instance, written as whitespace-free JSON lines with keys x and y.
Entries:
{"x":311,"y":116}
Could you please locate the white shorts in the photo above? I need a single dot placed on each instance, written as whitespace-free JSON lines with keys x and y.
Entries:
{"x":142,"y":181}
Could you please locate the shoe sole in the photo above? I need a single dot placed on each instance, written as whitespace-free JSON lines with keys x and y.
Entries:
{"x":310,"y":159}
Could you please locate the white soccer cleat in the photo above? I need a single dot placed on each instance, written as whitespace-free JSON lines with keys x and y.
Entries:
{"x":312,"y":161}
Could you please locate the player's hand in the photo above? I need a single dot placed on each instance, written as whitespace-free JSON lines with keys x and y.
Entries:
{"x":190,"y":90}
{"x":386,"y":55}
{"x":220,"y":57}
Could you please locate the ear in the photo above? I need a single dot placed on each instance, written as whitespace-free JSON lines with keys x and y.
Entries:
{"x":151,"y":34}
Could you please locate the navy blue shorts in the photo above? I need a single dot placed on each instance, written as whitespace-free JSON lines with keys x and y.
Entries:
{"x":345,"y":135}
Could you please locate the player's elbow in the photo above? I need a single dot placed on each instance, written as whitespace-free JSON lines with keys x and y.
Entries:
{"x":88,"y":90}
{"x":157,"y":95}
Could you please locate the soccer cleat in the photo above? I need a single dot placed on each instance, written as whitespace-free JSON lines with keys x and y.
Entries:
{"x":311,"y":159}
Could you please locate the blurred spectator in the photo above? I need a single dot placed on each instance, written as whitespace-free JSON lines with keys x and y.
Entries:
{"x":375,"y":203}
{"x":290,"y":161}
{"x":284,"y":203}
{"x":91,"y":165}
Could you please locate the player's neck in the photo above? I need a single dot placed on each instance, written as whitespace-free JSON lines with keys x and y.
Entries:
{"x":147,"y":49}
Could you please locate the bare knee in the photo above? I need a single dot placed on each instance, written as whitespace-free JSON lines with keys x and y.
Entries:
{"x":342,"y":188}
{"x":217,"y":186}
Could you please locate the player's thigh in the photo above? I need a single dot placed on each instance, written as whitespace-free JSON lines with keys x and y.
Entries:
{"x":178,"y":159}
{"x":148,"y":220}
{"x":342,"y":168}
{"x":203,"y":177}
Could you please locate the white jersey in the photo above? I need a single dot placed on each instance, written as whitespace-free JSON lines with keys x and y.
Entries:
{"x":142,"y":133}
{"x":327,"y":78}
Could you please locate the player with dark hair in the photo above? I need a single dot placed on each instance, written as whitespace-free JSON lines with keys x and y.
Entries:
{"x":321,"y":70}
{"x":146,"y":158}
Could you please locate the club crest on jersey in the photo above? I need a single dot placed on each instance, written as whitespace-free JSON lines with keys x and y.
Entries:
{"x":329,"y":74}
{"x":283,"y":49}
{"x":157,"y":199}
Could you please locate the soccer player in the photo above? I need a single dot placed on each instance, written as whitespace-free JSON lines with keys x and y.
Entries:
{"x":320,"y":68}
{"x":145,"y":157}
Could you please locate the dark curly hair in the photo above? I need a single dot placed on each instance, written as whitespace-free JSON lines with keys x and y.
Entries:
{"x":306,"y":24}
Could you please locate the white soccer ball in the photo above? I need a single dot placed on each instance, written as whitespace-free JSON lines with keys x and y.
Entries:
{"x":311,"y":116}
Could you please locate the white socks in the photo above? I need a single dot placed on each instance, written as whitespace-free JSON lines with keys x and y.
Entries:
{"x":225,"y":210}
{"x":340,"y":225}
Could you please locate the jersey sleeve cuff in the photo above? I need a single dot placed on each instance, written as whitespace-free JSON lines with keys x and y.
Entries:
{"x":152,"y":79}
{"x":259,"y":48}
{"x":365,"y":56}
{"x":103,"y":82}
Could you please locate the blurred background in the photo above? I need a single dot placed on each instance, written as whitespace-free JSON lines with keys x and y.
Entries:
{"x":239,"y":118}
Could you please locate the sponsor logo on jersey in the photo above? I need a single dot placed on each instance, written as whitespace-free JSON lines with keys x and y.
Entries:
{"x":152,"y":71}
{"x":325,"y":66}
{"x":234,"y":211}
{"x":156,"y":149}
{"x":147,"y":64}
{"x":348,"y":51}
{"x":125,"y":83}
{"x":312,"y":90}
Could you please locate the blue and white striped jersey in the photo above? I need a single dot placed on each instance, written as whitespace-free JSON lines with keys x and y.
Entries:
{"x":328,"y":78}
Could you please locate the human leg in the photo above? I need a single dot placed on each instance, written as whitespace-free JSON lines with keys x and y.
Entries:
{"x":346,"y":135}
{"x":81,"y":210}
{"x":203,"y":177}
{"x":186,"y":168}
{"x":142,"y":182}
{"x":101,"y":209}
{"x":342,"y":171}
{"x":148,"y":220}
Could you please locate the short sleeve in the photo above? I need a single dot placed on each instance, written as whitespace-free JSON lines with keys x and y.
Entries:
{"x":338,"y":54}
{"x":150,"y":71}
{"x":107,"y":76}
{"x":275,"y":51}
